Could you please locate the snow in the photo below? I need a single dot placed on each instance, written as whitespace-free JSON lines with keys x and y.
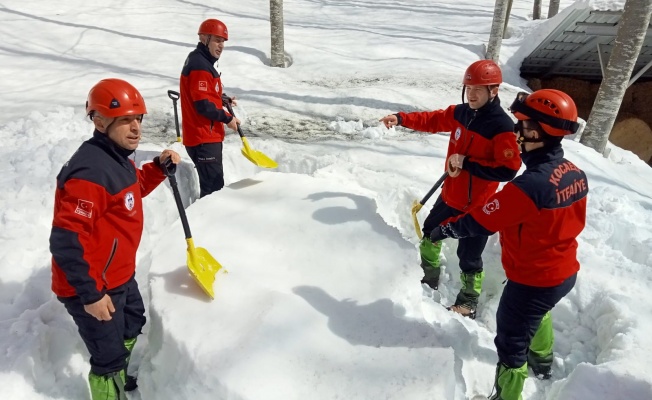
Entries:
{"x":322,"y":297}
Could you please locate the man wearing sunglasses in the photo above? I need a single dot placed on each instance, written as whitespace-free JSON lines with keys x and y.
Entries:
{"x":539,"y":216}
{"x":481,"y":153}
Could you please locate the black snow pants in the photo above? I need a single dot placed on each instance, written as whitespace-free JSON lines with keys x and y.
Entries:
{"x":105,"y":340}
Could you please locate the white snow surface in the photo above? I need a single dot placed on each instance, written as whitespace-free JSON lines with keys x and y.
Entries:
{"x":322,"y":297}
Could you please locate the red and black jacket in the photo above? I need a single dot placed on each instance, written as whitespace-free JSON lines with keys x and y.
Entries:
{"x":539,"y":216}
{"x":201,"y":99}
{"x":485,"y":136}
{"x":98,"y":219}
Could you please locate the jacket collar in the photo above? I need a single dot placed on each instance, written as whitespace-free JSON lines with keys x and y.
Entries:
{"x":203,"y":50}
{"x":102,"y":140}
{"x":542,"y":155}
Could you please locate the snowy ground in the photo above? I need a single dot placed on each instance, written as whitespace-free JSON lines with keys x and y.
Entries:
{"x":321,"y":299}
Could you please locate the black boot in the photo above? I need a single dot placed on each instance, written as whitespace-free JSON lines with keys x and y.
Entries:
{"x":541,"y":366}
{"x":131,"y":383}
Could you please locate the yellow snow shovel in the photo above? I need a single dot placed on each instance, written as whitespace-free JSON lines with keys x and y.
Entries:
{"x":254,"y":156}
{"x":416,"y":206}
{"x":201,"y":264}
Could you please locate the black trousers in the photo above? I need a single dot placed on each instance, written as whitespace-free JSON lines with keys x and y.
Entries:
{"x":519,"y":315}
{"x":105,"y":339}
{"x":207,"y":158}
{"x":469,"y":249}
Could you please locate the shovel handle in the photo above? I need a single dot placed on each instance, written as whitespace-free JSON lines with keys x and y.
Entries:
{"x":175,"y":96}
{"x":434,"y":188}
{"x":228,"y":107}
{"x":182,"y":212}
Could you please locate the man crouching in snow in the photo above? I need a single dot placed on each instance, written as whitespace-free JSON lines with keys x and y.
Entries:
{"x":539,"y":215}
{"x":97,"y":227}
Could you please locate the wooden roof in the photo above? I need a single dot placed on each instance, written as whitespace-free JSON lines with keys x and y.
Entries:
{"x":578,"y":45}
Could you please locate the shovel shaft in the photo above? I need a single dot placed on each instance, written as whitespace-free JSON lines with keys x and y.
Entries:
{"x":417,"y":206}
{"x":175,"y":96}
{"x":228,"y":107}
{"x":433,"y":189}
{"x":182,"y":211}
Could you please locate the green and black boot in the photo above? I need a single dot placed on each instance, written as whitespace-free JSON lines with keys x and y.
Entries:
{"x":429,"y":252}
{"x":539,"y":356}
{"x":508,"y":383}
{"x":130,"y":381}
{"x":466,"y":302}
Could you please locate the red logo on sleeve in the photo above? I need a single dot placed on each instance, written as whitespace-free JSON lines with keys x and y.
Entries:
{"x":84,"y":208}
{"x":203,"y":86}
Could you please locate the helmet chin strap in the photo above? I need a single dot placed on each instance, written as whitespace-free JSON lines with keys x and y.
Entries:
{"x":522,"y":140}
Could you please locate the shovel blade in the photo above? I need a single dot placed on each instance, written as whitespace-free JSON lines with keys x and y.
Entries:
{"x":256,"y":156}
{"x":203,"y":267}
{"x":416,"y":206}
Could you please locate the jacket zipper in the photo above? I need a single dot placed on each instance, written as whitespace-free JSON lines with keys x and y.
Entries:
{"x":468,"y":203}
{"x":106,"y":267}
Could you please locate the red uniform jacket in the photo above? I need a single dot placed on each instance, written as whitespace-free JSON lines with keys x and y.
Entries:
{"x":98,"y":219}
{"x":200,"y":91}
{"x":539,"y":215}
{"x":485,"y":136}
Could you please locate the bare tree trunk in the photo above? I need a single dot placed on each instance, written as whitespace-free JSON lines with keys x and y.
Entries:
{"x":497,"y":30}
{"x":276,"y":22}
{"x":553,"y":9}
{"x":507,"y":14}
{"x":536,"y":11}
{"x":632,"y":29}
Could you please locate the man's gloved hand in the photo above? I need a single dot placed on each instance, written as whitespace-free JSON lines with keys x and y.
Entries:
{"x":226,"y":99}
{"x":437,"y":235}
{"x":168,"y":167}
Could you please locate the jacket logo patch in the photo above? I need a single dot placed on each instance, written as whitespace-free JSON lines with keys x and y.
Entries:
{"x":458,"y":133}
{"x":508,"y":153}
{"x":217,"y":87}
{"x":84,"y":208}
{"x":129,"y":201}
{"x":203,"y":86}
{"x":490,"y":207}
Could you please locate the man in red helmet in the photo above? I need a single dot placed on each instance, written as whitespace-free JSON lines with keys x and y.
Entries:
{"x":539,"y":216}
{"x":97,"y":226}
{"x":203,"y":116}
{"x":482,"y":152}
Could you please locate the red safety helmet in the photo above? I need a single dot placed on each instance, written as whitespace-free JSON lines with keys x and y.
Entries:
{"x":115,"y":98}
{"x":553,"y":109}
{"x":214,"y":27}
{"x":483,"y":72}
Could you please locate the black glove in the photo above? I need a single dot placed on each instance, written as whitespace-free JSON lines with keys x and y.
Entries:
{"x":226,"y":99}
{"x":168,"y":167}
{"x":437,"y":235}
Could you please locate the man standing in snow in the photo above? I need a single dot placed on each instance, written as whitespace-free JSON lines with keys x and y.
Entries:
{"x":539,"y":216}
{"x":202,"y":110}
{"x":97,"y":226}
{"x":481,"y":153}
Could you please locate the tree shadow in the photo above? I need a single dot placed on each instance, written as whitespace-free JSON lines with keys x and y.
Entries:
{"x":365,"y":210}
{"x":90,"y":63}
{"x":264,"y":97}
{"x":378,"y":324}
